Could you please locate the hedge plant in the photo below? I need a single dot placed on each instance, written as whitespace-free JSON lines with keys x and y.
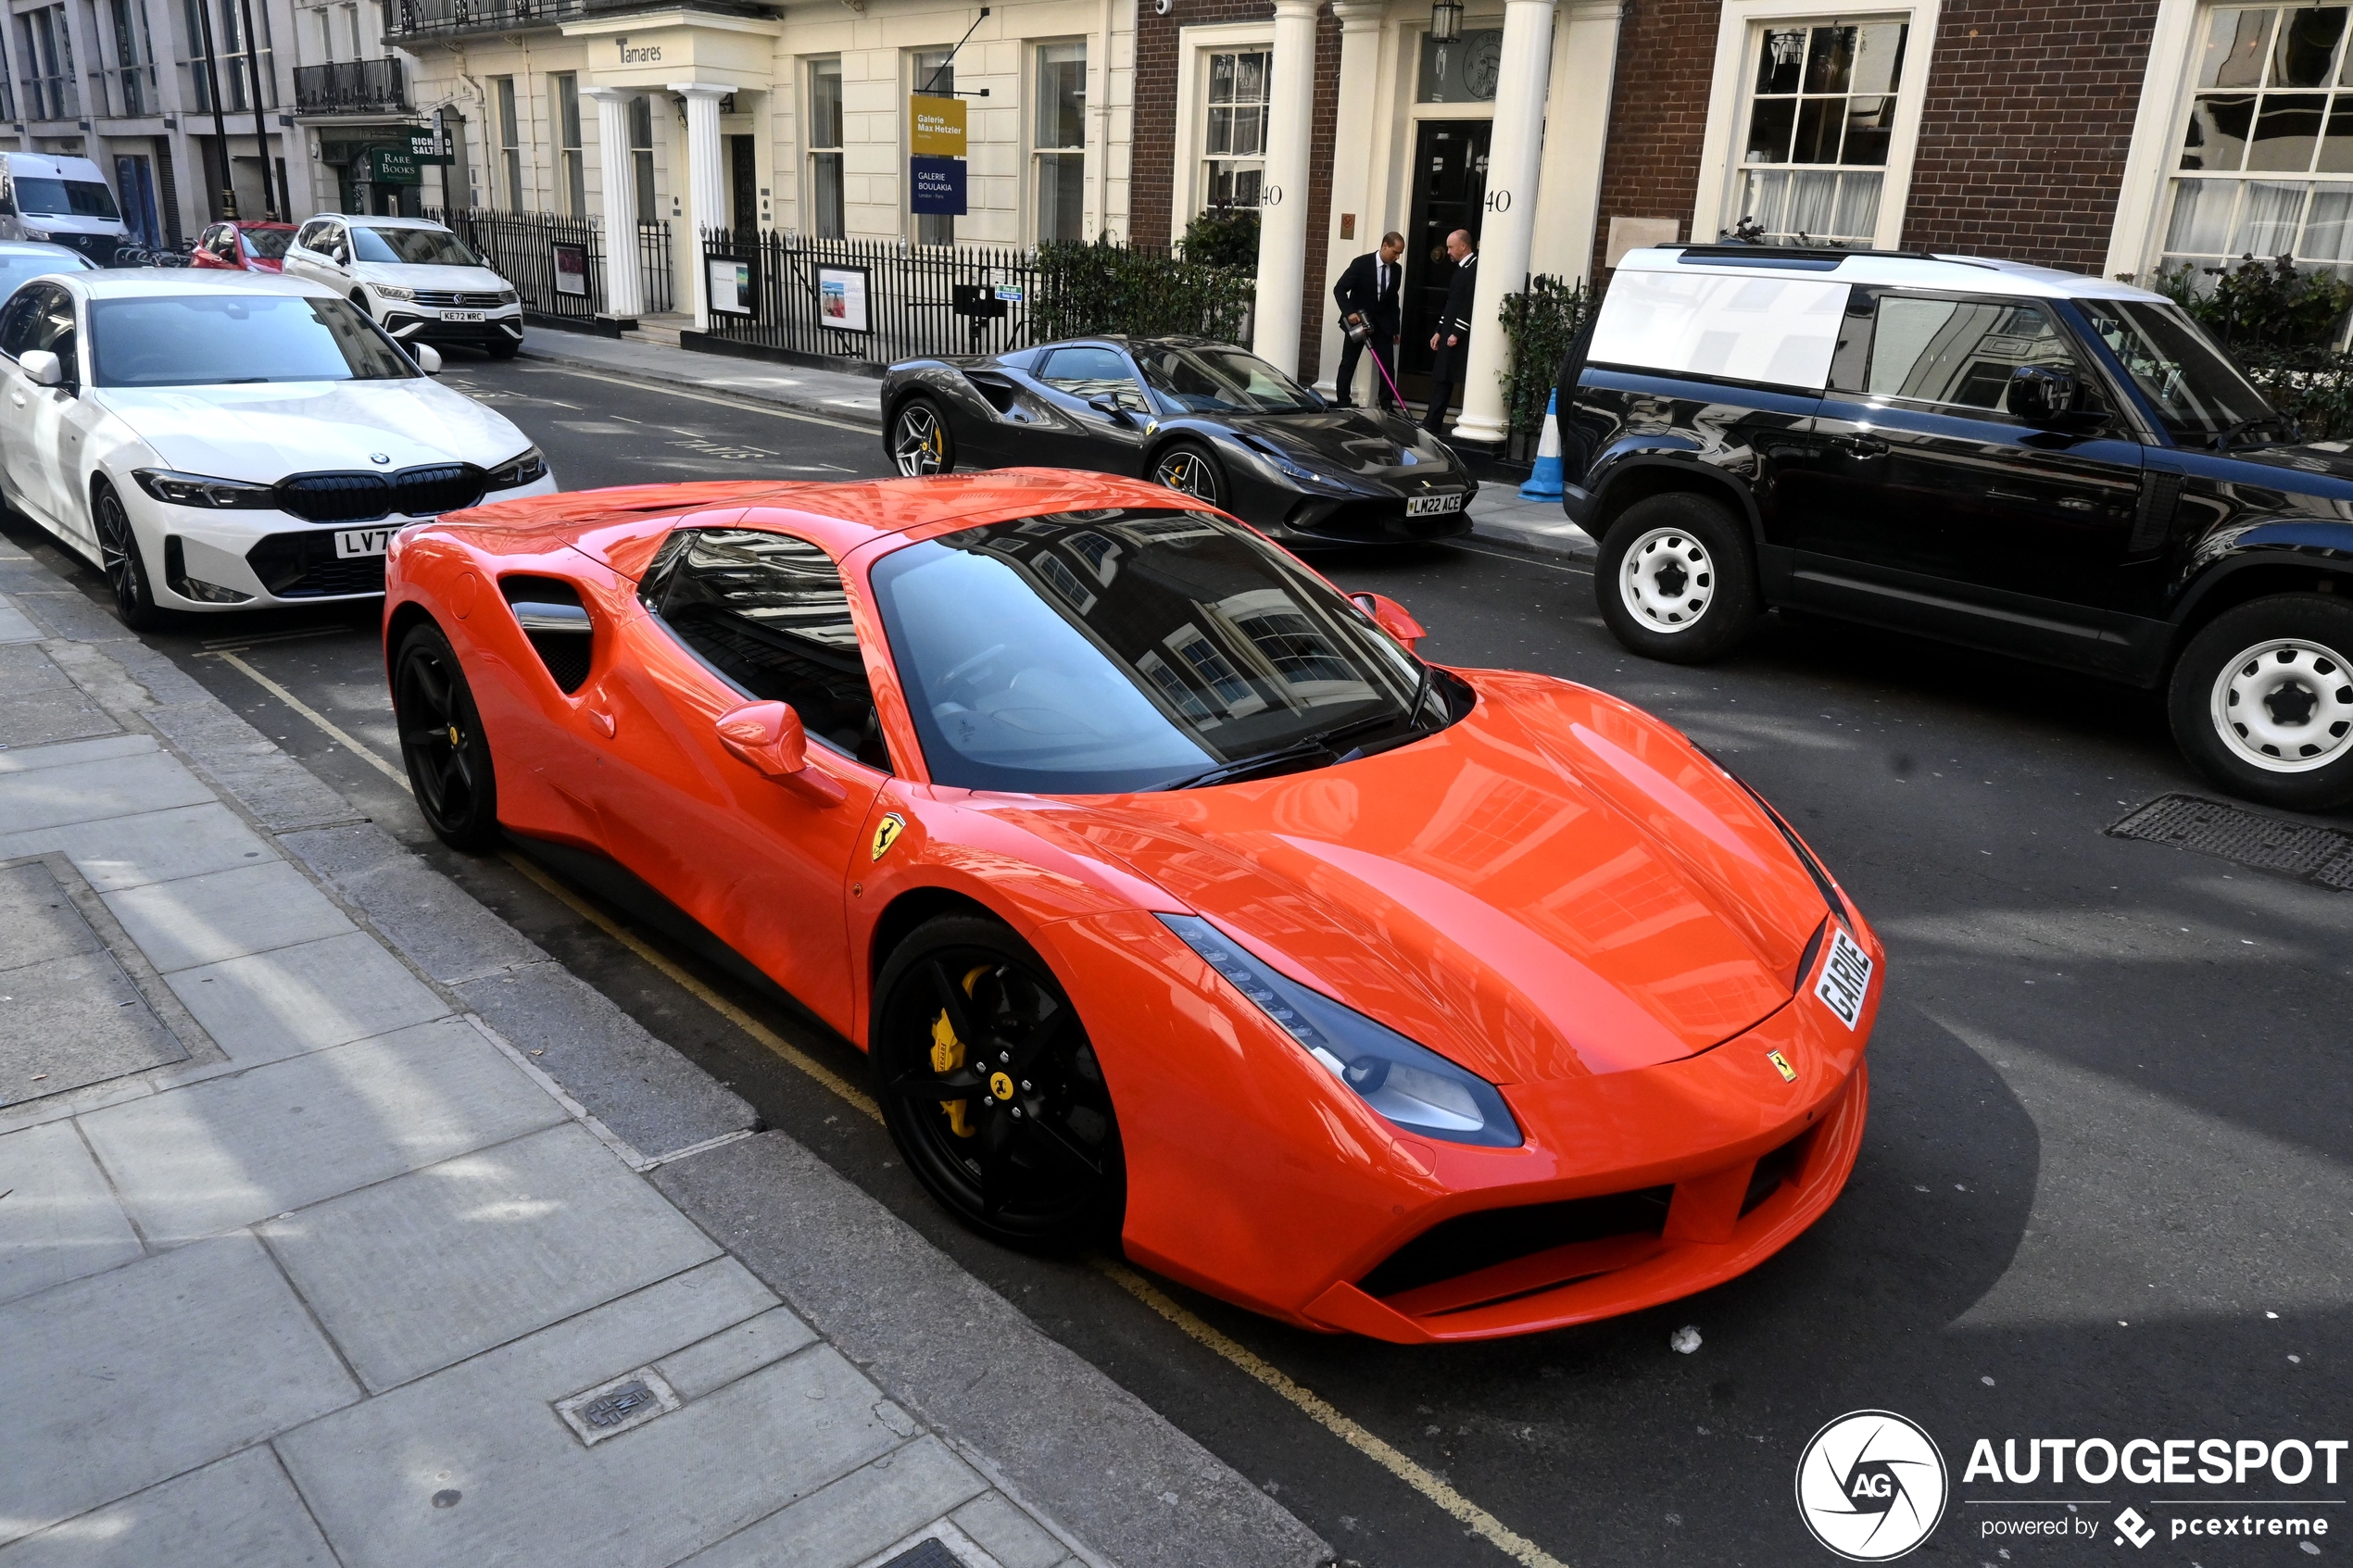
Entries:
{"x":1539,"y":325}
{"x":1095,"y":287}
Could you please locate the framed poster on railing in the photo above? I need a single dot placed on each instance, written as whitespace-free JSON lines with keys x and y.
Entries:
{"x":571,"y":269}
{"x":731,"y":289}
{"x":842,"y":294}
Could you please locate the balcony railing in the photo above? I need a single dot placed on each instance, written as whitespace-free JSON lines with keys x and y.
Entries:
{"x":128,"y":92}
{"x":410,"y":18}
{"x":351,"y":87}
{"x":52,"y":97}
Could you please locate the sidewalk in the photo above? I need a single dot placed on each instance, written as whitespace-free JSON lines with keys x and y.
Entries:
{"x":338,"y":1225}
{"x":1497,"y":512}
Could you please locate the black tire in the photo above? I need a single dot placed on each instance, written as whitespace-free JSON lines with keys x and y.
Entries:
{"x":443,"y":743}
{"x":499,"y":350}
{"x":1191,"y":468}
{"x":360,"y":303}
{"x":921,"y":441}
{"x":1677,"y":581}
{"x":134,"y":599}
{"x":1040,"y":1167}
{"x":2261,"y":701}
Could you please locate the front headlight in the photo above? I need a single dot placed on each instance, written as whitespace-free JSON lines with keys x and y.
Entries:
{"x":393,"y":291}
{"x":532,"y":465}
{"x":195,"y":490}
{"x":509,"y":296}
{"x":1409,"y":1085}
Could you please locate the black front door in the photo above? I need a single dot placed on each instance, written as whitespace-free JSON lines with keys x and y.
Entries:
{"x":1450,"y":192}
{"x":742,"y":182}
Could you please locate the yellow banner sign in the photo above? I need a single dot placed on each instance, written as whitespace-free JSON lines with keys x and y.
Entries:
{"x":937,"y":126}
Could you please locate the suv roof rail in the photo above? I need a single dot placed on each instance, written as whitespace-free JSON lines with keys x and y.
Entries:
{"x":1754,"y":254}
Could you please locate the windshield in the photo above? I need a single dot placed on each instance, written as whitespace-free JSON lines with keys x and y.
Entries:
{"x":1106,"y":651}
{"x":266,"y":245}
{"x":1223,"y":381}
{"x":65,"y":198}
{"x":17,"y":265}
{"x":414,"y":247}
{"x":224,"y":340}
{"x":2198,"y":393}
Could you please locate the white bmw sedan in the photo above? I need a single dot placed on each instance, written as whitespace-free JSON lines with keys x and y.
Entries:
{"x":233,"y":440}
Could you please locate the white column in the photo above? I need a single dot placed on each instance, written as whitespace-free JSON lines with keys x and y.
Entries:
{"x":1282,"y":219}
{"x":706,"y":182}
{"x":623,"y":296}
{"x":1513,"y":160}
{"x":1352,"y":146}
{"x":1575,"y":131}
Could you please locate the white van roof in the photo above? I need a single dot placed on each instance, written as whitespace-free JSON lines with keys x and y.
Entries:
{"x":1917,"y":270}
{"x":40,"y":165}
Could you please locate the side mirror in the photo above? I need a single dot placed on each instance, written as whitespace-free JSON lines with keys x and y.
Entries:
{"x":767,"y":735}
{"x":1110,"y":407}
{"x":1392,"y":617}
{"x":2045,"y":396}
{"x":41,"y":367}
{"x":429,"y":359}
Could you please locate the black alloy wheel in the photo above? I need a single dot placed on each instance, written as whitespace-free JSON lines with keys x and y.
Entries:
{"x":920,"y":443}
{"x":134,"y":599}
{"x":991,"y":1088}
{"x":1187,"y":466}
{"x":443,"y":743}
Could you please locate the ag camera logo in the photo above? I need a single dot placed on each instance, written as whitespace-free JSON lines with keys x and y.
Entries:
{"x":1871,"y":1486}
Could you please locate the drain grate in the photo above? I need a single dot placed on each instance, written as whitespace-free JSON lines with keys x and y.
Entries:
{"x":2233,"y":832}
{"x":927,"y":1553}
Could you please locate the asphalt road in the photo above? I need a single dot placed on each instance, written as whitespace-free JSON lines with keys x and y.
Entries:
{"x":2104,"y":1192}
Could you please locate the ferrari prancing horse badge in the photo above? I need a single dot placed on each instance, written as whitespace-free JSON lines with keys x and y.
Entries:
{"x":886,"y":833}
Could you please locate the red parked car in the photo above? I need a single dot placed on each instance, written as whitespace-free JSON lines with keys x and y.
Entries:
{"x":244,"y":248}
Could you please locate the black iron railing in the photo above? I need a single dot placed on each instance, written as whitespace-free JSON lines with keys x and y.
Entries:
{"x":408,"y":17}
{"x":351,"y":87}
{"x":557,"y":264}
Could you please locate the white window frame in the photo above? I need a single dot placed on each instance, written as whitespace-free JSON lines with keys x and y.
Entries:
{"x":811,"y":210}
{"x":1738,"y":37}
{"x":2138,"y":236}
{"x":1032,"y":98}
{"x":1194,"y":45}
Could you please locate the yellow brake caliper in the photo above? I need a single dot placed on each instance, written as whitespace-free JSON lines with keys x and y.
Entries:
{"x":948,"y":1054}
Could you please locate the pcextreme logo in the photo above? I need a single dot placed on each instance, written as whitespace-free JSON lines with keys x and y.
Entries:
{"x":1871,"y":1486}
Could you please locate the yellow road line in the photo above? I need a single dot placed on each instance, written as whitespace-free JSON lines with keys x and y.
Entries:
{"x":1517,"y":1547}
{"x":1512,"y":1544}
{"x":348,"y":741}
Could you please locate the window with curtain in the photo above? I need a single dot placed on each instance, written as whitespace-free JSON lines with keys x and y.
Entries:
{"x":510,"y":142}
{"x":2266,"y":159}
{"x":1820,"y":120}
{"x":1062,"y":141}
{"x":935,"y":76}
{"x":572,"y":168}
{"x":1235,"y":139}
{"x":824,"y":214}
{"x":641,"y":156}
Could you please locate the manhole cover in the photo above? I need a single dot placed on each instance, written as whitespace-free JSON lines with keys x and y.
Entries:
{"x":609,"y":1408}
{"x":2233,"y":832}
{"x":928,"y":1553}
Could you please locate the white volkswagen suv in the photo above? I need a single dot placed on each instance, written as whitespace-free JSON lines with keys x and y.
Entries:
{"x":416,"y":278}
{"x":232,"y":439}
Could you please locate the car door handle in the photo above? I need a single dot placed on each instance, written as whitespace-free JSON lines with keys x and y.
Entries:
{"x":16,"y":398}
{"x":1862,"y":445}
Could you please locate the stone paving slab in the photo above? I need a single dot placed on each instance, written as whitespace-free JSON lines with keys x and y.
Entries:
{"x":442,"y":930}
{"x":235,"y":1150}
{"x":241,"y":1512}
{"x":425,"y":1270}
{"x":63,"y":753}
{"x":83,"y":792}
{"x":119,"y":1381}
{"x":836,"y":1525}
{"x":225,"y":914}
{"x":59,"y":1221}
{"x":272,"y":1005}
{"x":14,"y":627}
{"x":72,"y":1022}
{"x":158,"y":846}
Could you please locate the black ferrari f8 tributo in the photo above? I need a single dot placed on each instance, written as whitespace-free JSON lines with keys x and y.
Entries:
{"x":1220,"y":425}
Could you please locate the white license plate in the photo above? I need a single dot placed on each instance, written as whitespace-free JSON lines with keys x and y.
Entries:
{"x":1425,"y":506}
{"x":461,"y":315}
{"x":353,"y":542}
{"x":1846,"y":977}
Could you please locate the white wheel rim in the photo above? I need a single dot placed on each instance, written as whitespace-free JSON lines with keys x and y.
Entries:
{"x":2286,"y":706}
{"x":918,"y":449}
{"x":1186,"y":472}
{"x":1667,"y":579}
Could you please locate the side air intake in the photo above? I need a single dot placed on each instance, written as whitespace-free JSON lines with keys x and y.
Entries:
{"x":557,"y":625}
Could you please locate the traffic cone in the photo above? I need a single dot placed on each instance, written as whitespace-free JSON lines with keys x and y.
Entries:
{"x":1545,"y":481}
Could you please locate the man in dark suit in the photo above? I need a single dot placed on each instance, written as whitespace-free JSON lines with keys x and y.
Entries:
{"x":1368,"y":293}
{"x":1451,"y":341}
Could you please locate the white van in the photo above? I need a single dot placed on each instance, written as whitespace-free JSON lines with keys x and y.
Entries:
{"x":62,"y":200}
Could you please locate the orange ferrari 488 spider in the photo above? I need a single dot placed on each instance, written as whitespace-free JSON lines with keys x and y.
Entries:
{"x":1167,"y":890}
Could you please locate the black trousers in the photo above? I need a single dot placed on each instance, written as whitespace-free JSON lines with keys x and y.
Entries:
{"x":1384,"y":352}
{"x":1444,"y":371}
